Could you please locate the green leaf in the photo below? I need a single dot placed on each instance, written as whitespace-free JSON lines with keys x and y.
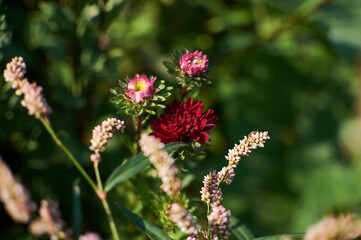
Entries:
{"x":240,"y":231}
{"x":276,"y":237}
{"x":152,"y":231}
{"x":133,"y":166}
{"x":77,"y":214}
{"x":170,"y":66}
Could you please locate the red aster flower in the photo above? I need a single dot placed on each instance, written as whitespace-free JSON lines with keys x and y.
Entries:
{"x":184,"y":122}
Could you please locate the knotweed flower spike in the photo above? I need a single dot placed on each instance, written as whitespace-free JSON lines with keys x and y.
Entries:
{"x":167,"y":171}
{"x":90,"y":236}
{"x":33,"y":97}
{"x":50,"y":221}
{"x":183,"y":219}
{"x":343,"y":227}
{"x":139,"y":94}
{"x":219,"y":222}
{"x":101,"y":135}
{"x":211,"y":193}
{"x":14,"y":196}
{"x":184,"y":122}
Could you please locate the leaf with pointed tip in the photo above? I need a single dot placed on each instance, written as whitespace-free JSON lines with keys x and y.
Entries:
{"x":133,"y":166}
{"x":277,"y":237}
{"x":240,"y":231}
{"x":152,"y":231}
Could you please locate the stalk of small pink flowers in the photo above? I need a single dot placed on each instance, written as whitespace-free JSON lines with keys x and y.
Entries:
{"x":183,"y":219}
{"x":210,"y":192}
{"x":254,"y":140}
{"x":152,"y":147}
{"x":90,"y":236}
{"x":33,"y":97}
{"x":15,"y":196}
{"x":101,"y":135}
{"x":219,"y":222}
{"x":50,"y":221}
{"x":343,"y":227}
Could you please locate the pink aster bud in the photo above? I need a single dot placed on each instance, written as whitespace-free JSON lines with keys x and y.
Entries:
{"x":101,"y":135}
{"x":15,"y":196}
{"x":167,"y":170}
{"x":219,"y":222}
{"x":194,"y":64}
{"x":50,"y":221}
{"x":184,"y":220}
{"x":140,"y":88}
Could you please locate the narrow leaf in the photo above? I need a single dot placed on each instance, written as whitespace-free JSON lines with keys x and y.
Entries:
{"x":276,"y":237}
{"x":77,"y":214}
{"x":152,"y":231}
{"x":240,"y":231}
{"x":133,"y":166}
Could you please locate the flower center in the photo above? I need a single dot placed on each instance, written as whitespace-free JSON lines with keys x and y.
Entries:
{"x":197,"y":61}
{"x":140,"y":85}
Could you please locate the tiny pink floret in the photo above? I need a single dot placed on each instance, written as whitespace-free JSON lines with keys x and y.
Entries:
{"x":194,"y":64}
{"x":139,"y":88}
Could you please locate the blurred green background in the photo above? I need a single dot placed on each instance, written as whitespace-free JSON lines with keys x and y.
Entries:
{"x":290,"y":67}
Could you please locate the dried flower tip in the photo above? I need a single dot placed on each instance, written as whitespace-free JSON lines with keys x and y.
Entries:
{"x":194,"y":64}
{"x":343,"y":227}
{"x":139,"y":88}
{"x":249,"y":143}
{"x":184,"y":122}
{"x":210,"y":192}
{"x":219,"y":222}
{"x":33,"y":97}
{"x":183,"y":219}
{"x":15,"y":196}
{"x":50,"y":221}
{"x":90,"y":236}
{"x":167,"y":171}
{"x":101,"y":135}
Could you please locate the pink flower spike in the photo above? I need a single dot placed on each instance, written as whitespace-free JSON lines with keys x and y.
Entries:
{"x":139,"y":88}
{"x":194,"y":64}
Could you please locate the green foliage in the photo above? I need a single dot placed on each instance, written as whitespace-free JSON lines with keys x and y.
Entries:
{"x":149,"y":229}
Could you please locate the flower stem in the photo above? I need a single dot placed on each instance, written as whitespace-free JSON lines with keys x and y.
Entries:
{"x":68,"y":154}
{"x":103,"y":198}
{"x":98,"y":190}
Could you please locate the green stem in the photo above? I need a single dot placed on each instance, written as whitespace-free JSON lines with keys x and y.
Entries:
{"x":113,"y":228}
{"x":68,"y":154}
{"x":103,"y":197}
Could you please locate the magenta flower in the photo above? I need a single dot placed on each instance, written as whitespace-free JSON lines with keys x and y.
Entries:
{"x":184,"y":122}
{"x":139,"y":88}
{"x":194,"y":64}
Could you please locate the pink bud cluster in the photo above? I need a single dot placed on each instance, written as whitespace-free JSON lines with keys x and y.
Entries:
{"x":211,"y":193}
{"x":194,"y":64}
{"x":50,"y":221}
{"x":341,"y":227}
{"x":101,"y":135}
{"x":219,"y":222}
{"x":33,"y":97}
{"x":15,"y":196}
{"x":90,"y":236}
{"x":184,"y":220}
{"x":167,"y":171}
